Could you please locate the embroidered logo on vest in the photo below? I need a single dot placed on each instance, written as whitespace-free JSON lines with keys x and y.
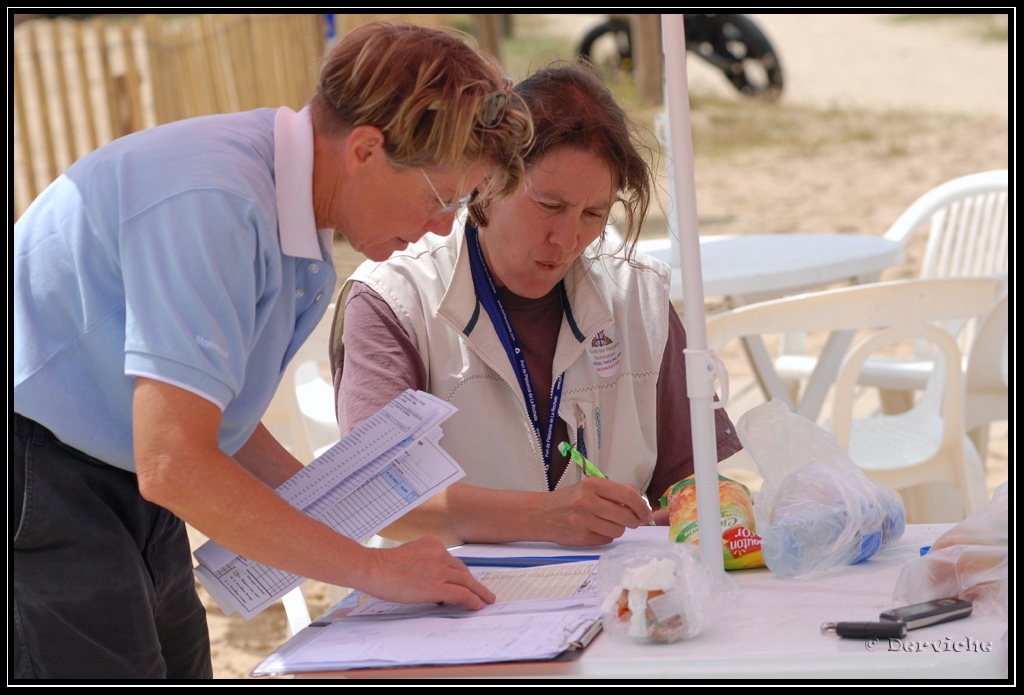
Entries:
{"x":605,"y":352}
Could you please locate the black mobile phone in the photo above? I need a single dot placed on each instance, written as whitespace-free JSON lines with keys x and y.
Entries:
{"x":929,"y":613}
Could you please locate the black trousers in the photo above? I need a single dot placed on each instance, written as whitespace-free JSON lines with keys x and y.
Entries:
{"x":101,"y":582}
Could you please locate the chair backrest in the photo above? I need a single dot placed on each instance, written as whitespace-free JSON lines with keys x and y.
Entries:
{"x":968,"y":226}
{"x":871,"y":306}
{"x":987,"y":379}
{"x":852,"y":308}
{"x":967,"y":221}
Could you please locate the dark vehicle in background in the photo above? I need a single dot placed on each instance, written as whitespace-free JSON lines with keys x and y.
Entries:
{"x":733,"y":43}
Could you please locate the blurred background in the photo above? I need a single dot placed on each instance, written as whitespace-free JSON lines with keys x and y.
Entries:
{"x":79,"y":81}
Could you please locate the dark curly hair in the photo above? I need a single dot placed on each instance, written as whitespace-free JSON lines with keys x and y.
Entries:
{"x":572,"y":107}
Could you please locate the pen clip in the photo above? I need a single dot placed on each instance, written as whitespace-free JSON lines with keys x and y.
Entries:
{"x":581,"y":425}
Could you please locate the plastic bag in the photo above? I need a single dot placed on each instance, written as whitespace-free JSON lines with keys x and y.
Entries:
{"x":816,"y":509}
{"x":659,"y":592}
{"x":970,"y":561}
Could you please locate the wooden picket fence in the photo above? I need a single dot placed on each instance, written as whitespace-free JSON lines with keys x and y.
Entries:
{"x":79,"y":84}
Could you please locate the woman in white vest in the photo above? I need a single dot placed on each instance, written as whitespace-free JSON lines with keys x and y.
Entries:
{"x":540,"y":334}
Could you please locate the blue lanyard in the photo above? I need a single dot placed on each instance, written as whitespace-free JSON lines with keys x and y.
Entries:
{"x":487,"y":294}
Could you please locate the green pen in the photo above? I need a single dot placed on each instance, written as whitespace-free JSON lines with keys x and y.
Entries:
{"x":567,"y":449}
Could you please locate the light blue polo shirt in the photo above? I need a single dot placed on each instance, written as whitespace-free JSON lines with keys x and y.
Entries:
{"x":170,"y":254}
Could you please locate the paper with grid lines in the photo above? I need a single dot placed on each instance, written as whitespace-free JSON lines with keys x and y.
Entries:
{"x":374,"y":475}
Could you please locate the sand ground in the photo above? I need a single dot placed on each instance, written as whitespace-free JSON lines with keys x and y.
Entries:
{"x":933,"y":99}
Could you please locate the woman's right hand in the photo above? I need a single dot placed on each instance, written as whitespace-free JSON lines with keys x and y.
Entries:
{"x":594,"y":511}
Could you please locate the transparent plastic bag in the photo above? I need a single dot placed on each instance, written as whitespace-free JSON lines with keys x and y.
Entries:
{"x":816,"y":510}
{"x":970,"y":561}
{"x":659,"y":592}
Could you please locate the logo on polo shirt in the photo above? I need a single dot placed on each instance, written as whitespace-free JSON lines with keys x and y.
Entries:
{"x":211,"y":345}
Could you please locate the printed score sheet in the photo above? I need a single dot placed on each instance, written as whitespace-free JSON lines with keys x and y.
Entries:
{"x":375,"y":474}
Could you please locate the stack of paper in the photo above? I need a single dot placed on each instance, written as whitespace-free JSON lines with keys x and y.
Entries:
{"x":378,"y":472}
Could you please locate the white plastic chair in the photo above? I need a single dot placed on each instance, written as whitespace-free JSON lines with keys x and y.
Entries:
{"x":967,"y":222}
{"x":296,"y":611}
{"x":302,"y":412}
{"x":924,"y":445}
{"x":920,"y":452}
{"x":987,"y":378}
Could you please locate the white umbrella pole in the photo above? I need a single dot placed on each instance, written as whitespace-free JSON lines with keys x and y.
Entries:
{"x":702,"y":365}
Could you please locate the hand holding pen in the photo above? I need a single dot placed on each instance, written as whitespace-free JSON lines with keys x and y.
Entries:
{"x":589,"y":468}
{"x":567,"y":449}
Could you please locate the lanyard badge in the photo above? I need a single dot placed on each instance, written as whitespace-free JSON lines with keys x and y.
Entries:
{"x":488,"y":296}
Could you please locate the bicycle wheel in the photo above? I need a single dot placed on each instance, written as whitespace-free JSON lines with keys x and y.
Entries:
{"x":608,"y":47}
{"x":738,"y":47}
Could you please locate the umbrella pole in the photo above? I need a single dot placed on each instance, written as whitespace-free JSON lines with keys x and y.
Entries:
{"x":702,"y":365}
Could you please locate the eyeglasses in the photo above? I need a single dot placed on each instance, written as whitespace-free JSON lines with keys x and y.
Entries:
{"x":449,"y":207}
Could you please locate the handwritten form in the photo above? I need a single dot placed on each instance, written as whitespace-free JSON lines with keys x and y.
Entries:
{"x":519,"y":590}
{"x":570,"y":581}
{"x":540,"y":612}
{"x":379,"y":471}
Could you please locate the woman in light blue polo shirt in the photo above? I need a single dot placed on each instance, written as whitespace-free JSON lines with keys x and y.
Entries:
{"x":161,"y":285}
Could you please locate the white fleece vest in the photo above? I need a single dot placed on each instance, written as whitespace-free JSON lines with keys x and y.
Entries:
{"x":610,"y":346}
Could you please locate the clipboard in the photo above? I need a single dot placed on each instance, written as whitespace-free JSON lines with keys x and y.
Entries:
{"x":287,"y":660}
{"x":555,"y":621}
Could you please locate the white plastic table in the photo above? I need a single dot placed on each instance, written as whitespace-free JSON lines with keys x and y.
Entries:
{"x":744,"y":269}
{"x":756,"y":267}
{"x":771,"y":629}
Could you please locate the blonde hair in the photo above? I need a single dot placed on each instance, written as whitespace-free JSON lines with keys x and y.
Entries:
{"x":437,"y":100}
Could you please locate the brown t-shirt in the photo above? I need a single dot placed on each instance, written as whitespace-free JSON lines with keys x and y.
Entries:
{"x":380,"y":361}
